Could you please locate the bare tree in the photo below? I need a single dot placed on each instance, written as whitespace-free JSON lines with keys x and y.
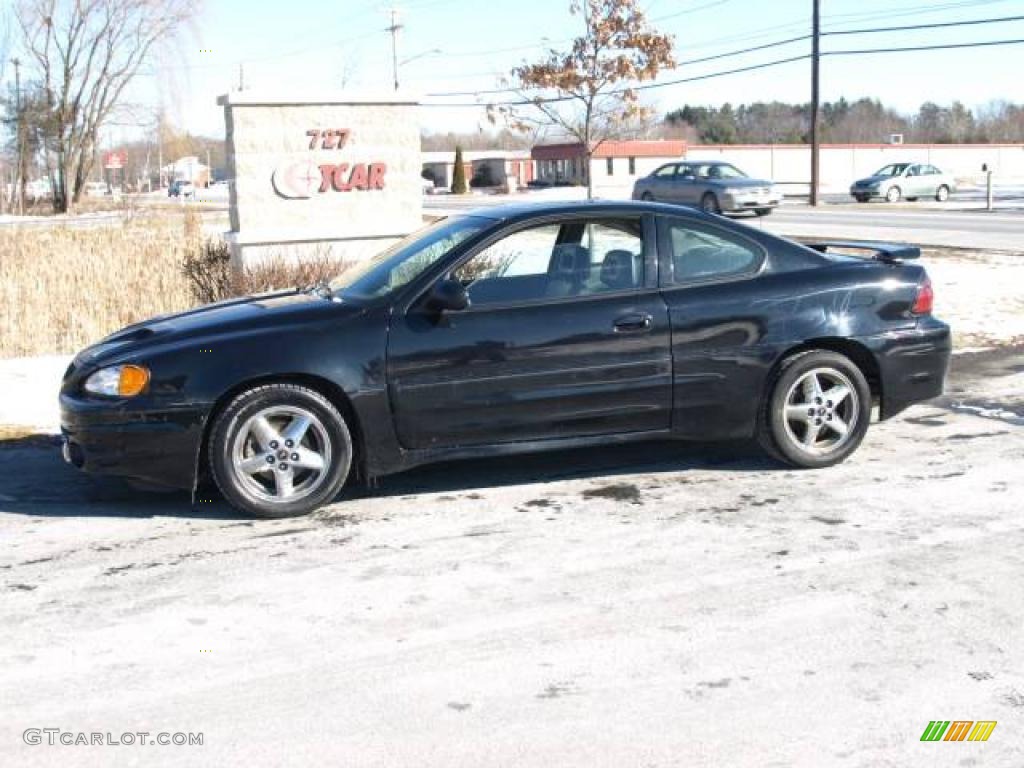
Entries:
{"x":84,"y":53}
{"x":588,"y":91}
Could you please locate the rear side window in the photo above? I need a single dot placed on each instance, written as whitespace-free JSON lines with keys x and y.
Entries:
{"x":702,"y":253}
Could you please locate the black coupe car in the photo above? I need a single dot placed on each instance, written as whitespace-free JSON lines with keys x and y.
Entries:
{"x":510,"y":329}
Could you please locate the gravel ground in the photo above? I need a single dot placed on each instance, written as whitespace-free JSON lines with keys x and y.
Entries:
{"x":655,"y":605}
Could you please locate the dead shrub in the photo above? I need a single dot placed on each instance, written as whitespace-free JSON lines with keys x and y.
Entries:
{"x":211,"y":276}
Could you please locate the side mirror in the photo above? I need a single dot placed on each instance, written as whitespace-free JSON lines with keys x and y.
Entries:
{"x":447,"y":295}
{"x":984,"y":167}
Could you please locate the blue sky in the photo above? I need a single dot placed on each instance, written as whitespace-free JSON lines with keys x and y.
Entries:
{"x":286,"y":45}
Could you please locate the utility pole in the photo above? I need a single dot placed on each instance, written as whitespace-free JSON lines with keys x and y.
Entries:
{"x":20,"y":186}
{"x":393,"y":29}
{"x":815,"y":99}
{"x":160,"y":150}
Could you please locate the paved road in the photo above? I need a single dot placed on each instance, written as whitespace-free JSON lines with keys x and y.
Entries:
{"x":1001,"y":231}
{"x":656,"y":605}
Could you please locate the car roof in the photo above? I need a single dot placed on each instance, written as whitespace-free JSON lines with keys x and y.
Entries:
{"x":524,"y":210}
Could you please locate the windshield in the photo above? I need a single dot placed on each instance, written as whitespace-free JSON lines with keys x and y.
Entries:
{"x":896,"y":169}
{"x":406,"y":259}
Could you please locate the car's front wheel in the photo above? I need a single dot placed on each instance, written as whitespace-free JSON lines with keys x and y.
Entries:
{"x":817,"y":410}
{"x":280,"y":450}
{"x":709,"y":203}
{"x":893,"y":195}
{"x":942,"y":194}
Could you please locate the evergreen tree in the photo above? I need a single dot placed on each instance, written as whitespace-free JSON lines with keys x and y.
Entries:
{"x":459,"y":174}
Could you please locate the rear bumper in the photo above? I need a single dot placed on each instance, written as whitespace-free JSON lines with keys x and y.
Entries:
{"x":158,"y":445}
{"x":913,"y":364}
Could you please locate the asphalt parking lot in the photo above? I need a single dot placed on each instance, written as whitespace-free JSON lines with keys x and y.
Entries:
{"x":654,"y":605}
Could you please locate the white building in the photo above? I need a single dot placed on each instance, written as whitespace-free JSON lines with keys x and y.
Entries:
{"x":187,"y":169}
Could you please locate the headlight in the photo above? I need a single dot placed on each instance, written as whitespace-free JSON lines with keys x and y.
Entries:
{"x":118,"y":381}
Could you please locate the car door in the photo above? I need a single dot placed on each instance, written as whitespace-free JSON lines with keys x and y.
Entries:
{"x":662,"y":183}
{"x":566,"y":335}
{"x":916,"y":182}
{"x":686,"y":187}
{"x":710,"y":281}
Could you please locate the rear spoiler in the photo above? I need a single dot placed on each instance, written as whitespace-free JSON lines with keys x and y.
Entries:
{"x":891,"y":253}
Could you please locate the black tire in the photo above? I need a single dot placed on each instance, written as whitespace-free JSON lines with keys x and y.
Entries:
{"x":780,"y":440}
{"x":763,"y":212}
{"x":863,"y":199}
{"x":893,"y":195}
{"x":329,"y":427}
{"x":647,"y":197}
{"x":709,"y":203}
{"x":942,"y":193}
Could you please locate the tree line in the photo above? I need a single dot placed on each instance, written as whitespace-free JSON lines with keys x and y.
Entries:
{"x":863,"y":121}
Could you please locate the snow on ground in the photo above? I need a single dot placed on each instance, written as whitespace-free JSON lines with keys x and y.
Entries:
{"x":978,"y":294}
{"x":29,"y":387}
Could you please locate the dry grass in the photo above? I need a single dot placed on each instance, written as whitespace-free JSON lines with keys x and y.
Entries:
{"x":64,"y":288}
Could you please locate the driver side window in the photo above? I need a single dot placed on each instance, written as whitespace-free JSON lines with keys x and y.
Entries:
{"x":572,"y":258}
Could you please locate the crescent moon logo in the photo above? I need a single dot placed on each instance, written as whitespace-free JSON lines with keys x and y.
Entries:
{"x":297,"y":181}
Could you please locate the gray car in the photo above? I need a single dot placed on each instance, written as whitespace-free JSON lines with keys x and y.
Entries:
{"x":904,"y":181}
{"x":713,"y":186}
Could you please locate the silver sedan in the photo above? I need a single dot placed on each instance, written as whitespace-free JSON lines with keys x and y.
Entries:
{"x":907,"y":181}
{"x":712,"y":186}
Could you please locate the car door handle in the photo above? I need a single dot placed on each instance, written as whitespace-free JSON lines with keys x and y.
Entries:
{"x":637,"y":322}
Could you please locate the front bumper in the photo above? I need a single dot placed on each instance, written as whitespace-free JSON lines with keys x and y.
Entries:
{"x":867,"y":192}
{"x":749,"y":201}
{"x":157,"y":444}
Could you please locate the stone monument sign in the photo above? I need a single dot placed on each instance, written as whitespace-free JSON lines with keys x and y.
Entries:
{"x":333,"y":174}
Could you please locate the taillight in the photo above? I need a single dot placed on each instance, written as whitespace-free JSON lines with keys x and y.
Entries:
{"x":925,"y":298}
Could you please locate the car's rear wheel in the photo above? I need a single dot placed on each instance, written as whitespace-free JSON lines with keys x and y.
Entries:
{"x":893,"y":195}
{"x":817,"y":410}
{"x":647,"y":196}
{"x":709,"y":203}
{"x":942,"y":193}
{"x":862,"y":198}
{"x":762,"y":211}
{"x":280,"y":450}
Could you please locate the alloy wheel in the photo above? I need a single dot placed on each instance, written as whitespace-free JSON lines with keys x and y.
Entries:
{"x":281,"y":454}
{"x":821,"y":411}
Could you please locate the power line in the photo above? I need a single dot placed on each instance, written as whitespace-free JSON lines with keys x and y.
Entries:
{"x":904,"y":28}
{"x":737,"y":70}
{"x":940,"y":47}
{"x":752,"y":49}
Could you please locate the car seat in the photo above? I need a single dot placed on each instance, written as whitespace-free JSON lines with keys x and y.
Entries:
{"x":618,"y":271}
{"x":570,"y":266}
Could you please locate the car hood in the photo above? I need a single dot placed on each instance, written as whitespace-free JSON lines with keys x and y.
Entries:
{"x":871,"y":180}
{"x":222,"y":318}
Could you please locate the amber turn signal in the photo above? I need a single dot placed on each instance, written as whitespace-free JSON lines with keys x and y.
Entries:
{"x":133,"y":380}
